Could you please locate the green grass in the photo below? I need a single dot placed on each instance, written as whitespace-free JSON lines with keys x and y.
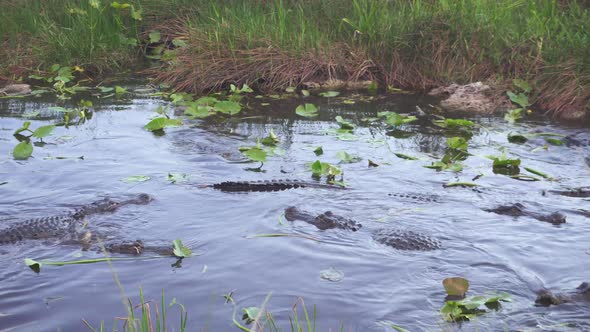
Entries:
{"x":405,"y":43}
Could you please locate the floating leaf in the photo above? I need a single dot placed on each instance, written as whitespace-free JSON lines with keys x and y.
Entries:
{"x":454,"y":123}
{"x":180,"y":250}
{"x":105,"y":89}
{"x":22,"y":151}
{"x":345,"y":157}
{"x":43,"y":131}
{"x":329,"y":94}
{"x":394,"y":119}
{"x":456,"y":286}
{"x":332,"y":274}
{"x":554,"y":141}
{"x":119,"y":90}
{"x":228,"y":107}
{"x":31,"y":114}
{"x":517,"y":138}
{"x":206,"y":101}
{"x":197,"y":111}
{"x":318,"y":151}
{"x":307,"y":110}
{"x":161,"y":123}
{"x":136,"y":178}
{"x":255,"y":154}
{"x":457,"y":143}
{"x":271,"y":139}
{"x":513,"y":115}
{"x":344,"y":124}
{"x":305,"y":93}
{"x":290,"y":89}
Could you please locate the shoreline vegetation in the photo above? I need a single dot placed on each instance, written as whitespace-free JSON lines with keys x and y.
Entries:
{"x":201,"y":46}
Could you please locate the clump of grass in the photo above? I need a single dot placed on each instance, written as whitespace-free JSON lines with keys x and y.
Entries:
{"x":410,"y":44}
{"x":152,"y":317}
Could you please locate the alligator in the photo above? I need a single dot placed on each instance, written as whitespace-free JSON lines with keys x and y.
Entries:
{"x":547,"y":298}
{"x":519,"y":210}
{"x":268,"y":185}
{"x":63,"y":225}
{"x":395,"y":238}
{"x":576,"y":192}
{"x":67,"y":227}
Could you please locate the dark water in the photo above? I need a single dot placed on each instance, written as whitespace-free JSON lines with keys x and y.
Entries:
{"x":496,"y":253}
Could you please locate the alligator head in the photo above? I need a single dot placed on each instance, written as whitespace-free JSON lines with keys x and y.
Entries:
{"x":109,"y":205}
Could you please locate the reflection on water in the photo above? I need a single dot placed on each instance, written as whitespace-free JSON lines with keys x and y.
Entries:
{"x":495,"y":252}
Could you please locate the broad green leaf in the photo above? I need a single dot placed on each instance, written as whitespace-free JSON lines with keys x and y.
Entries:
{"x":228,"y":107}
{"x":154,"y":36}
{"x":250,"y":314}
{"x":517,"y":138}
{"x":119,"y":90}
{"x":206,"y":101}
{"x":522,"y":84}
{"x":307,"y":110}
{"x":329,"y":94}
{"x":520,"y":99}
{"x":180,"y":250}
{"x":136,"y":178}
{"x":161,"y":123}
{"x":105,"y":89}
{"x":305,"y":93}
{"x":271,"y":139}
{"x":318,"y":151}
{"x":290,"y":89}
{"x":454,"y":123}
{"x":198,"y":111}
{"x":394,"y":119}
{"x":255,"y":154}
{"x":554,"y":141}
{"x":136,"y":13}
{"x":179,"y":43}
{"x":22,"y":151}
{"x":25,"y":126}
{"x":457,"y":143}
{"x":43,"y":131}
{"x":456,"y":286}
{"x":345,"y":157}
{"x":513,"y":115}
{"x":31,"y":114}
{"x":343,"y":123}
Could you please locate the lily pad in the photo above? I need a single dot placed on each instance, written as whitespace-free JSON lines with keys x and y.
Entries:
{"x":318,"y":151}
{"x":329,"y":94}
{"x":307,"y":110}
{"x":345,"y":157}
{"x":161,"y":123}
{"x":228,"y":107}
{"x":22,"y":151}
{"x":180,"y":250}
{"x":43,"y":131}
{"x":456,"y":286}
{"x":136,"y":178}
{"x":344,"y":124}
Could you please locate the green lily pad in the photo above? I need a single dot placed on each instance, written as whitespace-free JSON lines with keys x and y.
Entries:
{"x":136,"y":178}
{"x":180,"y":250}
{"x":329,"y":94}
{"x":22,"y":151}
{"x":307,"y":110}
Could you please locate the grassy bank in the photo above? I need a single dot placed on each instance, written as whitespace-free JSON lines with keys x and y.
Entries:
{"x":273,"y":44}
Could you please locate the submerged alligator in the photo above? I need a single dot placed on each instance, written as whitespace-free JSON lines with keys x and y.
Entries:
{"x":68,"y":226}
{"x":547,"y":298}
{"x":398,"y":239}
{"x":519,"y":210}
{"x":268,"y":185}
